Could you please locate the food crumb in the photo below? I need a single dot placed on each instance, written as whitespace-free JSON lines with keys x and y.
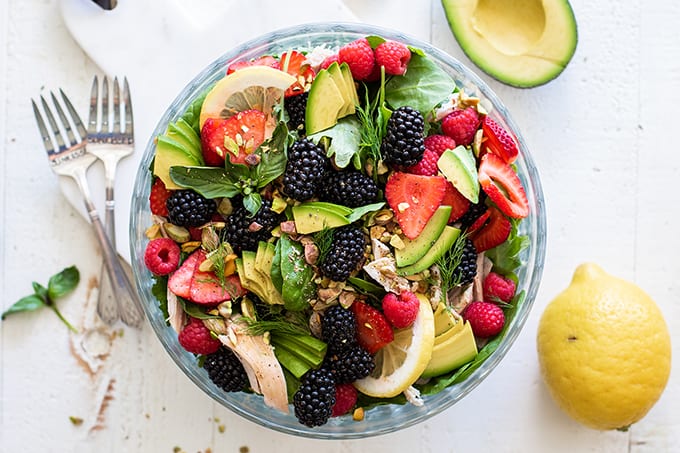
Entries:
{"x":244,"y":449}
{"x":221,"y":428}
{"x":77,"y":421}
{"x":358,"y":414}
{"x":176,"y":449}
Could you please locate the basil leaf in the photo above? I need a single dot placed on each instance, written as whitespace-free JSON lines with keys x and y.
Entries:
{"x":159,"y":289}
{"x":375,"y":41}
{"x":28,"y":303}
{"x":275,"y":271}
{"x":423,"y":86}
{"x":252,"y":202}
{"x":345,"y":140}
{"x":211,"y":182}
{"x":195,"y":311}
{"x":40,"y":290}
{"x":360,"y":211}
{"x":63,"y":283}
{"x":193,"y":113}
{"x":272,"y":165}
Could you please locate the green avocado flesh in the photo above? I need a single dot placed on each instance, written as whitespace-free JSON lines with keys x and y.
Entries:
{"x":442,"y":245}
{"x":414,"y":249}
{"x":332,"y":96}
{"x":523,"y":43}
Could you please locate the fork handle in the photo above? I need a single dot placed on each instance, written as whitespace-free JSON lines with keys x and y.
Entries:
{"x":130,"y":309}
{"x":107,"y":305}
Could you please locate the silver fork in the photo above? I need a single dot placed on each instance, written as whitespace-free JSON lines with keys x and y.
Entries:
{"x":72,"y":159}
{"x":110,"y":143}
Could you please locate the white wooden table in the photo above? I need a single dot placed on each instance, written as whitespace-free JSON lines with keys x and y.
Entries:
{"x":603,"y":136}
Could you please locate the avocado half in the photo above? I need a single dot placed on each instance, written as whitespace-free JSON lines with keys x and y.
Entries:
{"x":523,"y":43}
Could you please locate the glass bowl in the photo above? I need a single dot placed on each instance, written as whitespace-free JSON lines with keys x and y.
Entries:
{"x":380,"y":419}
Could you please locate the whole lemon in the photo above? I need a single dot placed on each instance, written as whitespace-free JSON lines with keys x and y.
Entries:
{"x":604,"y":350}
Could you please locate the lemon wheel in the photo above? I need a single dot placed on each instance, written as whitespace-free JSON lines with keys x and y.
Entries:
{"x":401,"y":362}
{"x":254,"y":87}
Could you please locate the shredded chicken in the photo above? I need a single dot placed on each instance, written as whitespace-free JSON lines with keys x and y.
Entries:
{"x":176,"y":315}
{"x":412,"y":395}
{"x":484,"y":266}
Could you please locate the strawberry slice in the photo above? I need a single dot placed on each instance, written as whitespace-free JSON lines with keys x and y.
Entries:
{"x":499,"y":141}
{"x":414,"y":198}
{"x":295,"y":63}
{"x":202,"y":287}
{"x":158,"y":197}
{"x":459,"y":204}
{"x":373,"y":330}
{"x":500,"y":182}
{"x":236,"y":136}
{"x":493,"y":233}
{"x":262,"y":61}
{"x":180,"y":280}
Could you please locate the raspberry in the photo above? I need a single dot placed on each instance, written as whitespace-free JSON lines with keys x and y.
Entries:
{"x":496,"y":286}
{"x":345,"y":399}
{"x":359,"y":56}
{"x":195,"y":338}
{"x":427,"y":165}
{"x":159,"y":195}
{"x":439,"y":143}
{"x":162,"y":256}
{"x":394,"y":56}
{"x":400,"y":310}
{"x":329,"y":61}
{"x":486,"y":319}
{"x":461,"y":125}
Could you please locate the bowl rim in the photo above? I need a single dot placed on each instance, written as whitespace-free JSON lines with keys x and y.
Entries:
{"x":537,"y":234}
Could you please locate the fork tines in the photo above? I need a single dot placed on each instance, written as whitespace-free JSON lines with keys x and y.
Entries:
{"x":105,"y":131}
{"x":58,"y":149}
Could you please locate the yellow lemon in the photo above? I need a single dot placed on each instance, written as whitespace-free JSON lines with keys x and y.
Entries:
{"x":604,"y":350}
{"x":401,"y":362}
{"x":253,"y":87}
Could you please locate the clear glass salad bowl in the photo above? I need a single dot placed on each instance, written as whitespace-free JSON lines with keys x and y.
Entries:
{"x":379,"y":419}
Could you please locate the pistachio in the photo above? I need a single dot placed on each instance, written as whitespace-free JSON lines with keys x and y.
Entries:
{"x":153,"y":232}
{"x":315,"y":324}
{"x":328,"y":294}
{"x":248,"y":308}
{"x":397,"y":242}
{"x":224,"y":309}
{"x":288,"y":227}
{"x":225,"y":207}
{"x":254,"y":227}
{"x":216,"y":325}
{"x":206,"y":265}
{"x":311,"y":253}
{"x":252,"y":159}
{"x":383,"y":216}
{"x":177,"y":233}
{"x":347,"y":298}
{"x":209,"y":238}
{"x":190,"y":246}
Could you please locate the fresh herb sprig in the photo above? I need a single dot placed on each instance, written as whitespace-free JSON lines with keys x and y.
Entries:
{"x":59,"y":285}
{"x":373,"y":116}
{"x":448,"y":264}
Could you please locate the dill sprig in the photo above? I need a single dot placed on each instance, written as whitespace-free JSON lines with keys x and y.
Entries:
{"x":323,"y":240}
{"x":372,"y":116}
{"x":282,"y":326}
{"x":448,"y":264}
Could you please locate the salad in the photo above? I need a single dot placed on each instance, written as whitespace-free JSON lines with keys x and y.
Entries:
{"x":335,"y":228}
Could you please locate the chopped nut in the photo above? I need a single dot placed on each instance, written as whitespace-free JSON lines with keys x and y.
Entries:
{"x":383,"y":216}
{"x":177,"y":233}
{"x":210,"y":238}
{"x":288,"y":227}
{"x":229,"y":267}
{"x":397,"y":242}
{"x":225,"y":207}
{"x":206,"y":265}
{"x":376,"y":231}
{"x":477,"y":142}
{"x":153,"y":232}
{"x":315,"y":324}
{"x":217,"y":326}
{"x":252,"y":159}
{"x":254,"y":227}
{"x":190,"y":246}
{"x":77,"y":421}
{"x":328,"y":294}
{"x":347,"y":298}
{"x":224,"y":309}
{"x":358,"y":414}
{"x":248,"y":308}
{"x":311,"y":253}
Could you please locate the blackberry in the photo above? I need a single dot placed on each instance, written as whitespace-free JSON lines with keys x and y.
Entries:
{"x":243,"y":231}
{"x":226,"y":370}
{"x":352,"y":364}
{"x":296,"y":106}
{"x":305,"y":171}
{"x":314,"y":399}
{"x":187,"y":208}
{"x":349,"y":188}
{"x":345,"y":253}
{"x":467,"y":269}
{"x":404,"y":143}
{"x":338,"y":328}
{"x":473,"y":212}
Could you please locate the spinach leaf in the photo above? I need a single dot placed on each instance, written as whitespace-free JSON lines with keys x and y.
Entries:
{"x":505,"y":257}
{"x":361,"y":211}
{"x":423,"y":86}
{"x":195,"y":311}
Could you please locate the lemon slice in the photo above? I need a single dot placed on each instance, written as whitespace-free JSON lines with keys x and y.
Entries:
{"x":400,"y":363}
{"x":253,"y":87}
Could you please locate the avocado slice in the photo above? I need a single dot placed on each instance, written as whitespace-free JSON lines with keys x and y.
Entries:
{"x":337,"y":208}
{"x":170,"y":153}
{"x":441,"y":246}
{"x":310,"y":219}
{"x":451,"y":351}
{"x":444,"y":320}
{"x":523,"y":43}
{"x":324,"y":103}
{"x":339,"y":79}
{"x":414,"y":249}
{"x":184,"y":134}
{"x":460,"y":168}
